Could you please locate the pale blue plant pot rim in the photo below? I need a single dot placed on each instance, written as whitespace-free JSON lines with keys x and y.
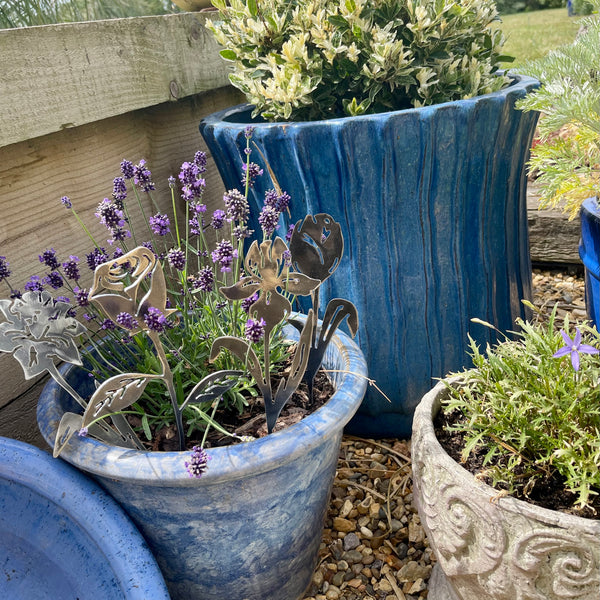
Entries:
{"x":239,"y":116}
{"x":229,"y":462}
{"x":89,"y":509}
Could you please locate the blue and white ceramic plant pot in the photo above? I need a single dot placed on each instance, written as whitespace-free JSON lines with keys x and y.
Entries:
{"x":61,"y":536}
{"x":432,"y":206}
{"x":589,"y":251}
{"x":250,"y":528}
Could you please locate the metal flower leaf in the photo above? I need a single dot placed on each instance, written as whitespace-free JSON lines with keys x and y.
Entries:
{"x":115,"y":394}
{"x":317,"y":246}
{"x":211,"y":387}
{"x":124,"y":276}
{"x":243,"y":351}
{"x":69,"y":425}
{"x":37,"y":330}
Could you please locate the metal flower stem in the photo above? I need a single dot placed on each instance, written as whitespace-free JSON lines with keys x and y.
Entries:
{"x":167,"y":376}
{"x":56,"y":375}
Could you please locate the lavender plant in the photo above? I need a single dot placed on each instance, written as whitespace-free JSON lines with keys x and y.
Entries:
{"x":175,"y":328}
{"x":531,"y":406}
{"x":321,"y":59}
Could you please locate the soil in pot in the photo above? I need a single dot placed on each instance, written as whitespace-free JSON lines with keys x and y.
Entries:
{"x":548,"y":492}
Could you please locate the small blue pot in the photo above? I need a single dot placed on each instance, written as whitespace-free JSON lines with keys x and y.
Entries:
{"x":61,"y":536}
{"x":250,"y":528}
{"x":589,"y":251}
{"x":432,"y":206}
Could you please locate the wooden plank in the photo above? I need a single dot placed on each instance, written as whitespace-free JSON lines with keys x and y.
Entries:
{"x":82,"y":163}
{"x":553,"y":239}
{"x":61,"y":76}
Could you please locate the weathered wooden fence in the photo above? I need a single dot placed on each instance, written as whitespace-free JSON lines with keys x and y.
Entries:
{"x":75,"y":100}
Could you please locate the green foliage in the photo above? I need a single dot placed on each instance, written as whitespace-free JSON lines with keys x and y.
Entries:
{"x":27,"y":13}
{"x":506,"y":7}
{"x":583,"y":7}
{"x":318,"y":59}
{"x":567,"y":158}
{"x":532,"y":414}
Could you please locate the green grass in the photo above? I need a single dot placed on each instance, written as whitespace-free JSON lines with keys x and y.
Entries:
{"x":532,"y":35}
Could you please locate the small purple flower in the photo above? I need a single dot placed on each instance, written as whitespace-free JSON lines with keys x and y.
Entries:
{"x":54,"y":280}
{"x":81,"y":296}
{"x":127,"y":169}
{"x":155,"y":319}
{"x":96,"y":257}
{"x":48,"y":257}
{"x":574,"y":347}
{"x":268,"y":219}
{"x":159,"y":224}
{"x":218,"y":219}
{"x":189,"y":173}
{"x":176,"y":258}
{"x":127,"y":321}
{"x":248,"y":302}
{"x":109,"y":214}
{"x":198,"y":463}
{"x":83,"y":432}
{"x":196,"y":225}
{"x":236,"y":205}
{"x":171,"y":181}
{"x":142,"y":177}
{"x":224,"y":254}
{"x":271,"y":198}
{"x":119,"y":191}
{"x":71,"y":268}
{"x":255,"y":330}
{"x":200,"y":160}
{"x":283,"y":202}
{"x":286,"y":255}
{"x":33,"y":285}
{"x":250,"y":172}
{"x":205,"y":280}
{"x":249,"y":131}
{"x":15,"y":294}
{"x":221,"y":305}
{"x":290,"y":231}
{"x":107,"y":325}
{"x":66,"y":202}
{"x":4,"y":270}
{"x":242,"y":232}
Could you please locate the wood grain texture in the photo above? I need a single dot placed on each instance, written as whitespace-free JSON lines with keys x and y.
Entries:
{"x":62,"y":76}
{"x":81,"y":163}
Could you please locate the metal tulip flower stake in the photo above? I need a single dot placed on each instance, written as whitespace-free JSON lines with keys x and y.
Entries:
{"x":131,"y":291}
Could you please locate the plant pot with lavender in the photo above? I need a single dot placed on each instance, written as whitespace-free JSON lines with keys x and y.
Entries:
{"x":391,"y":116}
{"x":506,"y":470}
{"x":184,"y":339}
{"x":566,"y":158}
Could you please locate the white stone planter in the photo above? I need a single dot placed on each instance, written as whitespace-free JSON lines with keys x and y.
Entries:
{"x":503,"y":549}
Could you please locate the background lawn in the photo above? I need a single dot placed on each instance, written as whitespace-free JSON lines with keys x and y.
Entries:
{"x":532,"y":34}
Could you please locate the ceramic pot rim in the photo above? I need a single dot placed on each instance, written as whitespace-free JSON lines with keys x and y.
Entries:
{"x":91,"y":509}
{"x":228,"y":462}
{"x":423,"y":430}
{"x":520,"y":85}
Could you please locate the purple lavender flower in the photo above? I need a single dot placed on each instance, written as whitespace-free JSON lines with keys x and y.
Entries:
{"x":159,"y":224}
{"x":205,"y":279}
{"x":224,"y":254}
{"x":271,"y":198}
{"x":155,"y":319}
{"x":15,"y":294}
{"x":127,"y":169}
{"x":196,"y":225}
{"x":218,"y":219}
{"x":81,"y":296}
{"x":172,"y":182}
{"x":221,"y":305}
{"x":200,"y":160}
{"x":236,"y":205}
{"x":119,"y":191}
{"x":107,"y":325}
{"x":176,"y":258}
{"x":48,"y":257}
{"x":255,"y":330}
{"x":117,"y":253}
{"x":290,"y":232}
{"x":66,"y":202}
{"x":109,"y":214}
{"x":127,"y":321}
{"x":283,"y":202}
{"x":54,"y":280}
{"x":142,"y":177}
{"x":242,"y":232}
{"x":198,"y":463}
{"x":83,"y":432}
{"x":286,"y":255}
{"x":574,"y":347}
{"x":4,"y":270}
{"x":71,"y":268}
{"x":249,"y":131}
{"x":96,"y":257}
{"x":33,"y":285}
{"x":248,"y":302}
{"x":250,"y":172}
{"x":189,"y":173}
{"x":268,"y":219}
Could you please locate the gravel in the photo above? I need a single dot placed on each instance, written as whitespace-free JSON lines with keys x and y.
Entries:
{"x":373,"y":544}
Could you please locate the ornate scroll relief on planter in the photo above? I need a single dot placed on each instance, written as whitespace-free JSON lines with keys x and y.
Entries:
{"x":491,"y":548}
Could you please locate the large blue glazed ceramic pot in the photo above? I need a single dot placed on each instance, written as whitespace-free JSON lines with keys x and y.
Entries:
{"x":250,"y":528}
{"x":432,"y":204}
{"x":589,"y":250}
{"x":62,"y":536}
